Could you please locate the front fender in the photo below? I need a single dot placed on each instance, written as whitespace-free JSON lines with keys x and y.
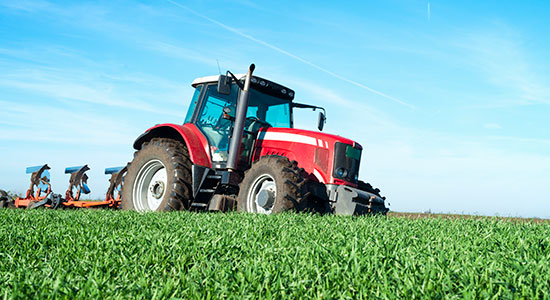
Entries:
{"x":196,"y":143}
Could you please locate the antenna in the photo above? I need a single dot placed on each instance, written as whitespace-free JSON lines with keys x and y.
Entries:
{"x":219,"y":69}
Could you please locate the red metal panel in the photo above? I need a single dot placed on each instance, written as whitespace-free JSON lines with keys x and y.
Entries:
{"x":195,"y":141}
{"x":200,"y":155}
{"x":303,"y":146}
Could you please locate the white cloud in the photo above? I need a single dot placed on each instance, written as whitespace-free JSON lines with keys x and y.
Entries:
{"x":26,"y":5}
{"x":429,"y":169}
{"x":83,"y":86}
{"x":45,"y":123}
{"x":179,"y":52}
{"x":497,"y":53}
{"x":459,"y":174}
{"x":294,"y":56}
{"x":492,"y":126}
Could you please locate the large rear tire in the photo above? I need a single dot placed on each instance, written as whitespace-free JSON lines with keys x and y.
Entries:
{"x":159,"y":178}
{"x":272,"y":185}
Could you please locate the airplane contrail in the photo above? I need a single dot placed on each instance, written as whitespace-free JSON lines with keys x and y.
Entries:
{"x":429,"y":12}
{"x":282,"y":51}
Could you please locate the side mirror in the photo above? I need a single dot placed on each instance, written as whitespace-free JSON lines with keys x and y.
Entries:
{"x":322,"y":120}
{"x":224,"y":85}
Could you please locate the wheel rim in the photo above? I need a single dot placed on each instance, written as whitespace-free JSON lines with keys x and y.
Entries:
{"x":262,"y":194}
{"x":150,"y":186}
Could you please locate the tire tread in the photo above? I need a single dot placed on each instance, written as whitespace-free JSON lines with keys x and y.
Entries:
{"x":180,"y":166}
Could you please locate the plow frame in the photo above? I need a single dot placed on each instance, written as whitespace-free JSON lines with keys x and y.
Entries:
{"x":78,"y":179}
{"x":36,"y":179}
{"x":77,"y":185}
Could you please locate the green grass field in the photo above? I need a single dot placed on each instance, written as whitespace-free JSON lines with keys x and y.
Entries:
{"x":114,"y":254}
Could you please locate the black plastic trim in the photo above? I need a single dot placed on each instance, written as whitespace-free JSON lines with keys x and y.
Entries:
{"x":342,"y":161}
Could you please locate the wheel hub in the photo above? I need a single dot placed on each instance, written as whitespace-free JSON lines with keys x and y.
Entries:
{"x":261,"y":196}
{"x":265,"y":198}
{"x":157,"y":189}
{"x":150,"y":186}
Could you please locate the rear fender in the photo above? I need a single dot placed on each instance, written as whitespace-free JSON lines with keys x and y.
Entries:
{"x":189,"y":134}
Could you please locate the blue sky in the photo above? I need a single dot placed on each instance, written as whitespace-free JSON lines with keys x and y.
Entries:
{"x":449,"y":99}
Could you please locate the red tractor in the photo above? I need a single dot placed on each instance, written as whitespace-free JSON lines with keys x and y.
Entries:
{"x":238,"y":149}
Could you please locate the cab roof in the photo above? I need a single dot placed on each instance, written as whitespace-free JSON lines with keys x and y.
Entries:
{"x":210,"y":79}
{"x":258,"y":83}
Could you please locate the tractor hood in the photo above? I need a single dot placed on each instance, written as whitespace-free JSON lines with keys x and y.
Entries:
{"x":321,"y":155}
{"x":314,"y":138}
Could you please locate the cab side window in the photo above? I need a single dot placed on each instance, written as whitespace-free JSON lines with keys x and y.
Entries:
{"x":193,"y":104}
{"x":211,"y":121}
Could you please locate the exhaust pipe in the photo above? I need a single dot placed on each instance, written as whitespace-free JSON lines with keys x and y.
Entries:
{"x":238,"y":128}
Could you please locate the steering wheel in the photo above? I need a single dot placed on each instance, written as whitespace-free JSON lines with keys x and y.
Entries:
{"x":223,"y":128}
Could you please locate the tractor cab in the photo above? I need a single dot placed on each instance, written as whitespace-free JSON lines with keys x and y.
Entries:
{"x":213,"y":109}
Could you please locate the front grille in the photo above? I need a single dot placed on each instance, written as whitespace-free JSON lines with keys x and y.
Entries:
{"x":347,"y":158}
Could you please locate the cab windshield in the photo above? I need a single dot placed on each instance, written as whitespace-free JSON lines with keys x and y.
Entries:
{"x":263,"y":111}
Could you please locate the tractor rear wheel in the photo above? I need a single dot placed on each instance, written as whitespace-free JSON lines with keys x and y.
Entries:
{"x":272,"y":185}
{"x":159,"y":178}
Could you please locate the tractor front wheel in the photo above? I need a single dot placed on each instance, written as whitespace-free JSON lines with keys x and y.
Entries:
{"x":159,"y":177}
{"x":272,"y":185}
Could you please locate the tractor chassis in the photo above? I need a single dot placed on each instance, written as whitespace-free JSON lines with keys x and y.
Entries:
{"x":346,"y":200}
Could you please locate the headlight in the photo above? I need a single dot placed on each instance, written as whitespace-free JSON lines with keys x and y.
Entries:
{"x":341,"y":172}
{"x":346,"y":162}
